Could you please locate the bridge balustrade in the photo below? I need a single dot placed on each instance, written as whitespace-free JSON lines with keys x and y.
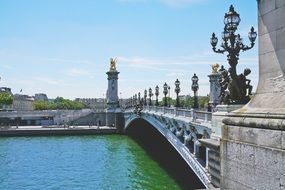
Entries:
{"x":196,"y":115}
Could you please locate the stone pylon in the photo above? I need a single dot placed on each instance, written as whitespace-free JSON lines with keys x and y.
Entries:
{"x":253,"y":138}
{"x":215,"y":88}
{"x":115,"y":117}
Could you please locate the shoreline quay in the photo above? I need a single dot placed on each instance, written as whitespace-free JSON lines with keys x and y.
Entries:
{"x":55,"y":131}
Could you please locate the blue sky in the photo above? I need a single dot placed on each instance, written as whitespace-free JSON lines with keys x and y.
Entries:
{"x":63,"y":47}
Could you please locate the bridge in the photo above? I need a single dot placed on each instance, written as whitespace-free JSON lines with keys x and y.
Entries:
{"x":182,"y":128}
{"x":252,"y":153}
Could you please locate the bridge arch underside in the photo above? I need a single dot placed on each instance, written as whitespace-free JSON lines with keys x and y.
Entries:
{"x":162,"y":151}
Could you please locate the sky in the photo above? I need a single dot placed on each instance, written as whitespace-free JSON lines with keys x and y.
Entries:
{"x":63,"y":47}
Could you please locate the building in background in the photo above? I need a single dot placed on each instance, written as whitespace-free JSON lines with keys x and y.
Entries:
{"x":41,"y":96}
{"x":6,"y":89}
{"x":184,"y":97}
{"x":23,"y":102}
{"x":97,"y":104}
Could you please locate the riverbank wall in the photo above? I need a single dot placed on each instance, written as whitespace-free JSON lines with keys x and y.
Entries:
{"x":56,"y":131}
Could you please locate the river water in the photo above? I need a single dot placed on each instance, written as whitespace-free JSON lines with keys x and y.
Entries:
{"x":81,"y":162}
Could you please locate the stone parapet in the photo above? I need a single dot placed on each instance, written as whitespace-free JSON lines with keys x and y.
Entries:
{"x":218,"y":116}
{"x":252,"y":158}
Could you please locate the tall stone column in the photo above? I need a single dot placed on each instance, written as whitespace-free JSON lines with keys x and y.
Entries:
{"x":114,"y":113}
{"x":253,"y":138}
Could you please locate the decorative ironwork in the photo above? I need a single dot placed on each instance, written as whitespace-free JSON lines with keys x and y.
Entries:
{"x":236,"y":89}
{"x":165,"y":92}
{"x":177,"y":91}
{"x":195,"y":88}
{"x":145,"y":97}
{"x":156,"y":94}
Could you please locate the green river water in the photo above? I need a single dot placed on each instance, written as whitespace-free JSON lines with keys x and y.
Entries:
{"x":81,"y":162}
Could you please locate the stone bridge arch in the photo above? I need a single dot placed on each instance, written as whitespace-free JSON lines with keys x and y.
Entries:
{"x":145,"y":128}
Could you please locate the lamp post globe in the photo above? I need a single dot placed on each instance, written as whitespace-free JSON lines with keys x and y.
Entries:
{"x":165,"y":92}
{"x":177,"y":91}
{"x":156,"y":94}
{"x":232,"y":19}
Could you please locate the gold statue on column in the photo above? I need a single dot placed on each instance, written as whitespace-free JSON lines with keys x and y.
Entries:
{"x":113,"y":64}
{"x":215,"y":68}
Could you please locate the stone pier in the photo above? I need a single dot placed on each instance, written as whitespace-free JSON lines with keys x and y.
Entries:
{"x":253,"y":137}
{"x":114,"y":114}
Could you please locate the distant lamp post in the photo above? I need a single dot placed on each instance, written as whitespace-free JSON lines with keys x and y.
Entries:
{"x":232,"y":44}
{"x":145,"y":97}
{"x":139,"y":97}
{"x":150,"y":94}
{"x":177,"y":91}
{"x":156,"y":94}
{"x":165,"y":92}
{"x":130,"y":102}
{"x":169,"y":96}
{"x":195,"y":88}
{"x":136,"y":99}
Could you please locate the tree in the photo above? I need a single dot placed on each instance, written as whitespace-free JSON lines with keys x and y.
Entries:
{"x":203,"y":101}
{"x":44,"y":105}
{"x":6,"y":98}
{"x":59,"y":103}
{"x":170,"y":101}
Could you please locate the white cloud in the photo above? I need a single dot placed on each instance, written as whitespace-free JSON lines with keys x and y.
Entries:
{"x":75,"y":72}
{"x":74,"y":61}
{"x":176,"y":65}
{"x":7,"y":66}
{"x":175,"y":74}
{"x":47,"y":80}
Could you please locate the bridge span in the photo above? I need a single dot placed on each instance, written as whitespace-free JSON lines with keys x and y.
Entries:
{"x":182,"y":129}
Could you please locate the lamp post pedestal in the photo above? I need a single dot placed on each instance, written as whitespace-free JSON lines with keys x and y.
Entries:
{"x":215,"y":89}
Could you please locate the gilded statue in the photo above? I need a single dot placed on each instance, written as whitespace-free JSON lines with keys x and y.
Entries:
{"x":215,"y":68}
{"x":113,"y":64}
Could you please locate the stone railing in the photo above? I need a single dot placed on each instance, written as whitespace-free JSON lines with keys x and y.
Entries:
{"x":195,"y":115}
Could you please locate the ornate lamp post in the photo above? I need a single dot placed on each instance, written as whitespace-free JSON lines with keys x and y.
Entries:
{"x":156,"y":94}
{"x":177,"y":91}
{"x":133,"y":101}
{"x":232,"y":44}
{"x":145,"y":97}
{"x":136,"y":99}
{"x":165,"y":92}
{"x":139,"y":97}
{"x":195,"y":88}
{"x":150,"y":94}
{"x":169,"y":102}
